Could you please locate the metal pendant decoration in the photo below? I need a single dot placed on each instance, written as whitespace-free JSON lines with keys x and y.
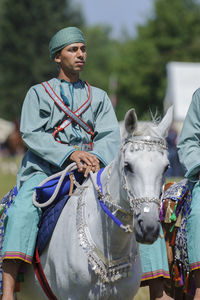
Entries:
{"x":107,"y":270}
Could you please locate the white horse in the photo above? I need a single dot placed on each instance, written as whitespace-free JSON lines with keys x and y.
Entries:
{"x":89,"y":256}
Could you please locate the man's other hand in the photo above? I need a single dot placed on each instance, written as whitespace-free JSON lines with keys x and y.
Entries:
{"x":85,"y":162}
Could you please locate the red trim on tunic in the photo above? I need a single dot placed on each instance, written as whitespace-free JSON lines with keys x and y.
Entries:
{"x":195,"y":266}
{"x":17,"y":255}
{"x":155,"y":274}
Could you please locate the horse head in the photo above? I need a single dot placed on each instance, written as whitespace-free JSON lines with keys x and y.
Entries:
{"x":144,"y":160}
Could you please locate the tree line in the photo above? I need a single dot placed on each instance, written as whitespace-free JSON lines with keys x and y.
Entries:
{"x":132,"y":68}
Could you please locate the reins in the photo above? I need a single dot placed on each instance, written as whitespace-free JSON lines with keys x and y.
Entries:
{"x":62,"y":174}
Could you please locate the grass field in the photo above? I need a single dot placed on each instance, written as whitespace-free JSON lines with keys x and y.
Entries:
{"x":8,"y":172}
{"x":143,"y":294}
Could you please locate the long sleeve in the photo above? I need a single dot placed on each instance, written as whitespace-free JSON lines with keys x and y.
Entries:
{"x":189,"y":140}
{"x":37,"y":132}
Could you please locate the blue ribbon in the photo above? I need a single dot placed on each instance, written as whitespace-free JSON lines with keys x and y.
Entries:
{"x":105,"y":209}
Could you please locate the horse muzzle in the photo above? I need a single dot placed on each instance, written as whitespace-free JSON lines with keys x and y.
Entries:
{"x":147,"y":228}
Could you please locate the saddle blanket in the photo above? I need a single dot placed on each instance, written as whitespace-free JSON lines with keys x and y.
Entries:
{"x":174,"y":219}
{"x":51,"y":213}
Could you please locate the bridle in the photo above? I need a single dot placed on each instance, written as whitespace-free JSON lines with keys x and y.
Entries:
{"x":140,"y":143}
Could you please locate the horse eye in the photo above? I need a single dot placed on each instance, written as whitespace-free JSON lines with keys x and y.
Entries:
{"x":128,"y":167}
{"x":166,"y":168}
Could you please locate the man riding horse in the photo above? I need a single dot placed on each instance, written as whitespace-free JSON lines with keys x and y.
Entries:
{"x":63,"y":120}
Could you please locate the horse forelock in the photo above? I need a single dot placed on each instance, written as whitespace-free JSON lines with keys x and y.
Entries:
{"x":147,"y":129}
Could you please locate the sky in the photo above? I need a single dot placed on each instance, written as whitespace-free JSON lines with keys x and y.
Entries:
{"x":119,"y":14}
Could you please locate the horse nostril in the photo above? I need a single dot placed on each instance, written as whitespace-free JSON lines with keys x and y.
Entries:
{"x":140,"y":223}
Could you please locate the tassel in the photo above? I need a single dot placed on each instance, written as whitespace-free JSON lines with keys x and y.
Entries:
{"x":173,"y":270}
{"x":173,"y":216}
{"x":186,"y":289}
{"x":162,"y":213}
{"x":172,"y":243}
{"x":181,"y":275}
{"x":177,"y":276}
{"x":168,"y":213}
{"x":172,"y":228}
{"x":179,"y":220}
{"x":176,"y":273}
{"x":192,"y":287}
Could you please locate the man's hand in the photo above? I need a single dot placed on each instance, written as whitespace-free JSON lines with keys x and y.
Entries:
{"x":85,"y":161}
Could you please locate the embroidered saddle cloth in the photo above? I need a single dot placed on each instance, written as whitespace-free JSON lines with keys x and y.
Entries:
{"x":174,"y":219}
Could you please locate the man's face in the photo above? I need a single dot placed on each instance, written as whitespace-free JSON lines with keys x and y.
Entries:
{"x":72,"y":58}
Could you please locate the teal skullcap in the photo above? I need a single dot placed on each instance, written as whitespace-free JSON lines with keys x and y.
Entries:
{"x":63,"y":38}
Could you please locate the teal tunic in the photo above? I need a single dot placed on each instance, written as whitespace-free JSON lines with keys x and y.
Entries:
{"x":189,"y":155}
{"x":46,"y":156}
{"x":40,"y":116}
{"x":189,"y":140}
{"x":154,"y":260}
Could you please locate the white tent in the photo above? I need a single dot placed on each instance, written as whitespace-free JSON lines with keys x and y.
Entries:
{"x":6,"y":128}
{"x":182,"y":80}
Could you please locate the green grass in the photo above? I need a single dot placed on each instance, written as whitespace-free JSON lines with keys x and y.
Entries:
{"x":8,"y":173}
{"x":173,"y":179}
{"x":143,"y":294}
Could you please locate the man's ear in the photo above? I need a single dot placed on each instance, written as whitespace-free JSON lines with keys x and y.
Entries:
{"x":57,"y":57}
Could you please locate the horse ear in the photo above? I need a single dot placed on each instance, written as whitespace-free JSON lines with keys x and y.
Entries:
{"x":166,"y":122}
{"x":130,"y":121}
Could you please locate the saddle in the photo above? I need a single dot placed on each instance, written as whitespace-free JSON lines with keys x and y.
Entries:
{"x":51,"y":213}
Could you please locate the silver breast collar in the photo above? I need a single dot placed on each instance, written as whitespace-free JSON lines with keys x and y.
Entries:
{"x":107,"y":270}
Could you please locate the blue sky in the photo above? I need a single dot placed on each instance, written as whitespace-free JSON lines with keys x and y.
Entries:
{"x":119,"y":14}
